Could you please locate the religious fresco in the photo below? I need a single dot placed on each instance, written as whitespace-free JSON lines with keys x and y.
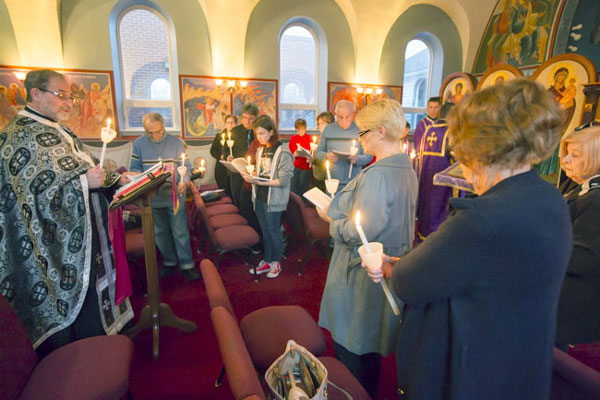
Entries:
{"x":456,"y":87}
{"x":498,"y":74}
{"x":564,"y":77}
{"x":517,"y":34}
{"x":360,"y":94}
{"x":579,"y":29}
{"x":92,"y":92}
{"x":206,"y":102}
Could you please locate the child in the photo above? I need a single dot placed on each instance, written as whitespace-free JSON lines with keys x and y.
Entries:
{"x":302,"y":168}
{"x":275,"y":163}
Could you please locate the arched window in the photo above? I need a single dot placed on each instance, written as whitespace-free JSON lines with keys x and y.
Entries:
{"x":145,"y":66}
{"x":298,"y":76}
{"x":417,"y":80}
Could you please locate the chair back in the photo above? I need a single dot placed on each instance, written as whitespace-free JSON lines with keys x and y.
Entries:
{"x":294,"y":216}
{"x":572,"y":379}
{"x":217,"y":295}
{"x":17,"y":357}
{"x":241,"y":375}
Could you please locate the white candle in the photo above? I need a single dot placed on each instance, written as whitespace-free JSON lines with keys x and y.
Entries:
{"x":106,"y":138}
{"x":249,"y":162}
{"x":412,"y":154}
{"x":202,"y":168}
{"x":229,"y":135}
{"x":384,"y":286}
{"x":353,"y":151}
{"x":361,"y":233}
{"x":327,"y":167}
{"x":314,"y":139}
{"x":183,"y":159}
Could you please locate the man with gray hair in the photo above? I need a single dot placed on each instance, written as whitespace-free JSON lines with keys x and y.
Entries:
{"x":337,"y":139}
{"x":171,"y":231}
{"x":56,"y":264}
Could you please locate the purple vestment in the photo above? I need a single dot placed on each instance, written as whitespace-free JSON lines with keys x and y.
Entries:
{"x":422,"y":126}
{"x":433,"y":157}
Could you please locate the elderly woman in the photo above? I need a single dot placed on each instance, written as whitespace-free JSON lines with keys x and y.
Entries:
{"x":481,"y":292}
{"x":353,"y":308}
{"x":579,"y":304}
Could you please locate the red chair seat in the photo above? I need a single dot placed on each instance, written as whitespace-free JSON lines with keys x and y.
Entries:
{"x":279,"y":324}
{"x":221,"y":209}
{"x":316,"y":228}
{"x":222,"y":200}
{"x":224,"y":220}
{"x":235,"y":237}
{"x":92,"y":368}
{"x":134,"y":244}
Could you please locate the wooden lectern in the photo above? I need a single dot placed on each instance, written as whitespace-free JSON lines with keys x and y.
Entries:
{"x":154,"y":314}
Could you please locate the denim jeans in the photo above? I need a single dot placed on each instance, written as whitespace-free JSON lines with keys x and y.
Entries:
{"x":172,"y":236}
{"x":270,"y":223}
{"x":301,"y":180}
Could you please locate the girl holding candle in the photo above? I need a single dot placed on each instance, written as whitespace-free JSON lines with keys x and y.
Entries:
{"x":275,"y":163}
{"x":353,"y":309}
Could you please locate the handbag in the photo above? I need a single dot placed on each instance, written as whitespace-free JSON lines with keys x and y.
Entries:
{"x":297,"y":375}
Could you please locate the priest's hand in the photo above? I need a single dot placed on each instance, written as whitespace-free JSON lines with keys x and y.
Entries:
{"x":95,"y":177}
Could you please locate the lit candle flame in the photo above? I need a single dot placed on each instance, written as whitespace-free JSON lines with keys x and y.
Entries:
{"x":314,"y":139}
{"x":222,"y":136}
{"x":108,"y":123}
{"x":412,"y":154}
{"x":354,"y":143}
{"x":202,"y":163}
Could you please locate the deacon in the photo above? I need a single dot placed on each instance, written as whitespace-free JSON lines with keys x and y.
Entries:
{"x":433,"y":112}
{"x":434,"y":156}
{"x":56,"y":263}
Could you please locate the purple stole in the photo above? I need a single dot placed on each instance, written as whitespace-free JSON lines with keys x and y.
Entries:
{"x":422,"y":126}
{"x":432,"y":203}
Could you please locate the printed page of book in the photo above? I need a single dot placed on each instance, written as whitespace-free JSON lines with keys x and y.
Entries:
{"x":318,"y":198}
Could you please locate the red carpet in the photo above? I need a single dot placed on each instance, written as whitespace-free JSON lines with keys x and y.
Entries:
{"x":190,"y":362}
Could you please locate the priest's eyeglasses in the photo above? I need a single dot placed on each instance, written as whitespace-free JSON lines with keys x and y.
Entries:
{"x":588,"y":125}
{"x":61,"y":95}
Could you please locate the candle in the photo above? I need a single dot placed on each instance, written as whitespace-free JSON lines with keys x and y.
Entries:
{"x":353,"y":151}
{"x":360,"y":231}
{"x":384,"y":286}
{"x":327,"y":167}
{"x":404,"y":147}
{"x":182,"y":159}
{"x":249,"y":160}
{"x":229,"y":135}
{"x":314,"y":139}
{"x":106,"y":136}
{"x":202,"y":169}
{"x":412,"y":154}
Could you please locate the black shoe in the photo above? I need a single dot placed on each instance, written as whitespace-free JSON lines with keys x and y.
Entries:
{"x":191,"y":274}
{"x":166,"y":270}
{"x":256,"y":249}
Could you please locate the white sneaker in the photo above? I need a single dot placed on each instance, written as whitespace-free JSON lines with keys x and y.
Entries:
{"x":262,"y":268}
{"x":275,"y":269}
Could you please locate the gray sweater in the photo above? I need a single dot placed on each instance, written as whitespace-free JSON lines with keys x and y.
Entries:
{"x":282,"y":168}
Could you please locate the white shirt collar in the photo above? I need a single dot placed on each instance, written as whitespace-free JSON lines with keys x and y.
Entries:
{"x":585,"y":186}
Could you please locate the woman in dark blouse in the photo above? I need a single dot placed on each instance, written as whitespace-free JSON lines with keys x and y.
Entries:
{"x":579,"y":304}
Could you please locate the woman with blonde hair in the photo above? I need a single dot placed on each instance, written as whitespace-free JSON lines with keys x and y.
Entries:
{"x":481,"y":292}
{"x":354,"y":309}
{"x":579,"y":304}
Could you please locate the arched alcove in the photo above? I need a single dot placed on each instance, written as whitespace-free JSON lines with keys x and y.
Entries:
{"x":432,"y":25}
{"x":266,"y":22}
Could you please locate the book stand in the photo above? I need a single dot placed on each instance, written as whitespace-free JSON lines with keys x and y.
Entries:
{"x":154,"y":314}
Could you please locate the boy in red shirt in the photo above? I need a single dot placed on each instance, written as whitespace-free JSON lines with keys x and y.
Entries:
{"x":302,"y":167}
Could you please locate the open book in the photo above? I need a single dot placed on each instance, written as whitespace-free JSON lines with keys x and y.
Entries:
{"x":237,"y":165}
{"x":318,"y":198}
{"x":305,"y":153}
{"x":136,"y":180}
{"x":453,"y":177}
{"x":341,"y":154}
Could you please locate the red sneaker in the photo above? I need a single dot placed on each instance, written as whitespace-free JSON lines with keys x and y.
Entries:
{"x":263,"y":267}
{"x":275,"y":269}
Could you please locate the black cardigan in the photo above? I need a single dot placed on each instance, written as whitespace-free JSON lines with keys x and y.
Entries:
{"x":481,"y":296}
{"x":579,"y":304}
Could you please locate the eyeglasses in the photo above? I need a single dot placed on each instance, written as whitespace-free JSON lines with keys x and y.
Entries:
{"x":61,"y":95}
{"x":362,"y":133}
{"x":588,"y":125}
